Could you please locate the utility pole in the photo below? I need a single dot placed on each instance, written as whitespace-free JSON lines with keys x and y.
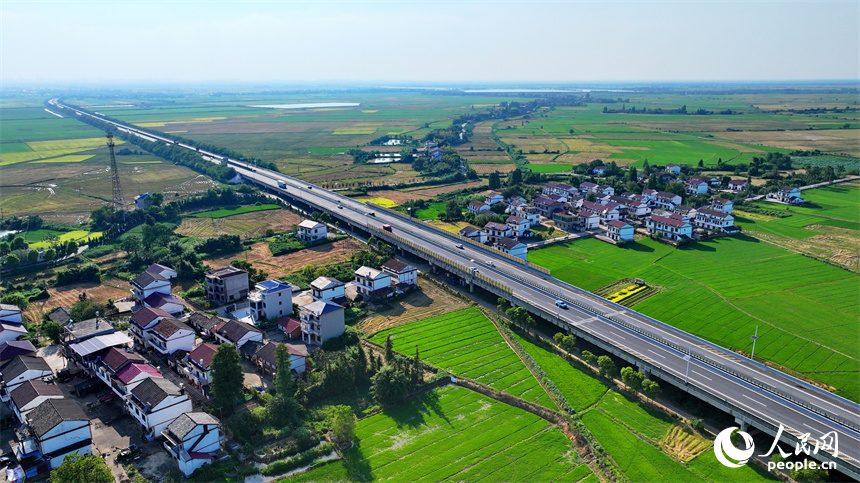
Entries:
{"x":118,"y":200}
{"x":754,"y":338}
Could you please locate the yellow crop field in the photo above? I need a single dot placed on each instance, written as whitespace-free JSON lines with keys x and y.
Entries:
{"x":15,"y":158}
{"x":69,"y":145}
{"x":354,"y":130}
{"x":384,"y":202}
{"x":626,"y":292}
{"x":77,"y":235}
{"x":369,"y":112}
{"x":74,"y":158}
{"x":454,"y":227}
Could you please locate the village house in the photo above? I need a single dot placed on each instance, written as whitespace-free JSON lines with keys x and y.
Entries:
{"x":321,"y":320}
{"x":619,"y":231}
{"x":373,"y":283}
{"x":147,"y":284}
{"x":604,"y":190}
{"x":13,"y":348}
{"x":11,"y":332}
{"x":310,"y":231}
{"x":266,"y":360}
{"x":512,"y":247}
{"x":673,"y":169}
{"x":669,"y":227}
{"x":697,"y":185}
{"x":492,"y":198}
{"x":326,"y":288}
{"x":713,"y":220}
{"x":155,"y":403}
{"x":168,"y":303}
{"x":110,"y":363}
{"x":496,"y":231}
{"x":565,"y":220}
{"x":170,"y":335}
{"x":737,"y":185}
{"x":722,"y":204}
{"x":192,"y":439}
{"x":270,"y":300}
{"x":530,"y":213}
{"x":547,"y":206}
{"x":203,"y":324}
{"x":130,"y":376}
{"x":197,"y":365}
{"x":225,"y":285}
{"x":665,"y":200}
{"x":291,"y":327}
{"x":587,"y":220}
{"x":11,"y":314}
{"x":478,"y":207}
{"x":558,"y":189}
{"x":473,"y":233}
{"x":86,"y":354}
{"x":238,"y":333}
{"x":787,"y":194}
{"x":638,"y":209}
{"x":598,"y":170}
{"x":606,"y":212}
{"x":587,"y":187}
{"x":55,"y":428}
{"x":519,"y":226}
{"x":686,"y":212}
{"x":401,"y":273}
{"x":30,"y":394}
{"x":142,"y":321}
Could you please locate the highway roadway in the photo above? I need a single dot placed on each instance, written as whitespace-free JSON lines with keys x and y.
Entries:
{"x":753,"y":388}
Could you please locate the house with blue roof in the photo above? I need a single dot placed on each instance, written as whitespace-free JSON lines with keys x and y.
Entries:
{"x":321,"y":320}
{"x":271,"y":300}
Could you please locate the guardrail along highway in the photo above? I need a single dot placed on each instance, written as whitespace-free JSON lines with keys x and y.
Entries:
{"x":755,"y":394}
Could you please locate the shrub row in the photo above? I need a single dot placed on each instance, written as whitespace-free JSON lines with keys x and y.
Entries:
{"x":301,"y":459}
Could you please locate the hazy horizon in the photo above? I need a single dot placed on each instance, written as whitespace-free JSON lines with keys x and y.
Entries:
{"x":573,"y":43}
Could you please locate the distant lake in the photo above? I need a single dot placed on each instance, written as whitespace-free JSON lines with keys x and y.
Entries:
{"x":311,"y":105}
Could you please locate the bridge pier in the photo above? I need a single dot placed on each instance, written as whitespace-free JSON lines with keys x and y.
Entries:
{"x":471,"y":286}
{"x":744,"y":425}
{"x":644,"y":369}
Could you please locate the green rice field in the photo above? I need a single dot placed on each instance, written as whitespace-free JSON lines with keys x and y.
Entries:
{"x":723,"y":288}
{"x":466,"y":343}
{"x":236,"y":211}
{"x":453,"y":434}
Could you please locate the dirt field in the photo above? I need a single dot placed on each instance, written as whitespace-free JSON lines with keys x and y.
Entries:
{"x":247,"y":225}
{"x":489,"y":168}
{"x":67,"y":295}
{"x":283,"y":265}
{"x":419,"y":305}
{"x":830,"y":141}
{"x":431,"y":192}
{"x":398,"y":197}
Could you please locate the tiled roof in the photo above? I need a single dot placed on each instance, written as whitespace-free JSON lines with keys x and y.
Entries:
{"x":158,"y":300}
{"x":321,"y":307}
{"x":515,"y":219}
{"x":202,"y":321}
{"x":234,"y":330}
{"x":370,"y":273}
{"x":202,"y":355}
{"x":116,"y":359}
{"x":23,"y":363}
{"x":169,"y":326}
{"x":617,"y":224}
{"x":289,"y":324}
{"x":51,"y":412}
{"x":60,"y":315}
{"x":153,"y":390}
{"x":13,"y":348}
{"x":508,"y":243}
{"x":323,"y":283}
{"x":129,"y":372}
{"x":146,"y":315}
{"x":396,"y":265}
{"x":669,"y":221}
{"x":30,"y":390}
{"x":145,"y":279}
{"x":496,"y":226}
{"x":186,"y":422}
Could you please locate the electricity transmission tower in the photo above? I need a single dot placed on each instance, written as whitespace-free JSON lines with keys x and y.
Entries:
{"x":118,"y":200}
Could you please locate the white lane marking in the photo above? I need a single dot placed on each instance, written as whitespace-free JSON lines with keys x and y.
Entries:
{"x":753,"y":400}
{"x":701,"y":375}
{"x":656,"y":354}
{"x":616,"y":335}
{"x":810,"y":427}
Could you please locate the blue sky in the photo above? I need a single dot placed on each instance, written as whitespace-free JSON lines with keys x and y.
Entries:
{"x":411,"y":41}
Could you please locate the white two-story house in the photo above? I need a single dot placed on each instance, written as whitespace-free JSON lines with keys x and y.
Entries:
{"x":238,"y":333}
{"x":519,"y":225}
{"x":619,"y":231}
{"x":401,"y":273}
{"x":327,"y":288}
{"x":197,"y":365}
{"x":496,"y":231}
{"x":30,"y":394}
{"x":147,"y":284}
{"x":321,"y":320}
{"x":714,"y":220}
{"x":271,"y":300}
{"x":170,"y":335}
{"x":155,"y":403}
{"x":57,"y":427}
{"x":142,"y":322}
{"x":373,"y":282}
{"x":670,"y":228}
{"x":191,"y":439}
{"x":21,"y":369}
{"x":310,"y":230}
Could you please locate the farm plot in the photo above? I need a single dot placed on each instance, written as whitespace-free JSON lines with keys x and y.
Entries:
{"x":67,"y":295}
{"x":452,"y":433}
{"x":580,"y":389}
{"x":722,"y":289}
{"x":550,"y":168}
{"x":484,"y":168}
{"x":467,"y":343}
{"x":79,"y":236}
{"x":428,"y":302}
{"x":223,"y":213}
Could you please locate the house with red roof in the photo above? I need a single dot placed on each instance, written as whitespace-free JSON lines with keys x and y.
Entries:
{"x":197,"y":365}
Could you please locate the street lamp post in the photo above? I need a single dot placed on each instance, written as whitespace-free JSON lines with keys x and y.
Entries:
{"x":754,"y":338}
{"x":687,"y":375}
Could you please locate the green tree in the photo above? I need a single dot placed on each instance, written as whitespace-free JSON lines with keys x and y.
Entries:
{"x":227,"y":378}
{"x":520,"y":316}
{"x":389,"y":385}
{"x":495,"y":181}
{"x":32,"y":256}
{"x":19,"y":243}
{"x":342,"y":423}
{"x":284,"y":382}
{"x":515,"y":178}
{"x":606,"y":366}
{"x":452,"y":211}
{"x":85,"y":309}
{"x":51,"y":330}
{"x":78,"y":467}
{"x":12,"y":260}
{"x":283,"y":411}
{"x":389,"y":350}
{"x":50,"y":254}
{"x":590,"y":197}
{"x":650,"y":388}
{"x":588,"y":357}
{"x":131,"y":244}
{"x":632,"y":378}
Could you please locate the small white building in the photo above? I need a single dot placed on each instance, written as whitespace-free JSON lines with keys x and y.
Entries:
{"x":401,"y":273}
{"x":492,"y":198}
{"x":714,"y":220}
{"x":155,"y":403}
{"x":619,"y":231}
{"x":372,"y":281}
{"x":496,"y":231}
{"x":670,"y":228}
{"x":147,"y":284}
{"x":170,"y":335}
{"x":697,"y":185}
{"x":588,"y":220}
{"x":473,"y":233}
{"x":722,"y":204}
{"x":737,"y":185}
{"x":22,"y":369}
{"x":665,"y":200}
{"x":310,"y":230}
{"x":519,"y":225}
{"x":673,"y":169}
{"x":787,"y":194}
{"x":30,"y":394}
{"x":327,"y":288}
{"x":58,"y":427}
{"x":192,"y":439}
{"x":271,"y":300}
{"x":238,"y":333}
{"x":512,"y":247}
{"x":321,"y":320}
{"x":197,"y":365}
{"x":478,"y":207}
